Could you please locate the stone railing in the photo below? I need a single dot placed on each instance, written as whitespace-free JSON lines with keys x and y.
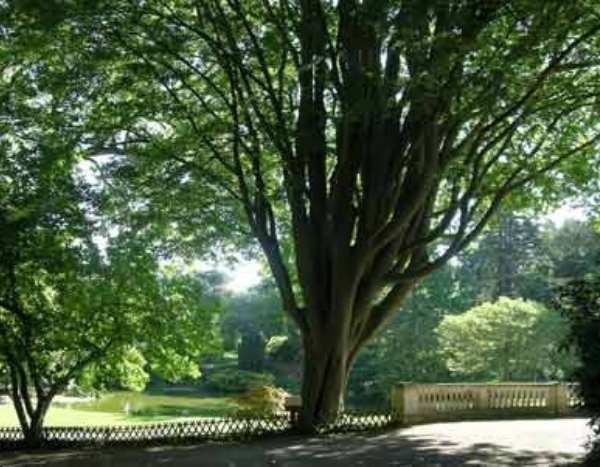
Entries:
{"x":423,"y":403}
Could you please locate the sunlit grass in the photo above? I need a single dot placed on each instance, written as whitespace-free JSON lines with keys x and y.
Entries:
{"x":122,"y":408}
{"x":58,"y":416}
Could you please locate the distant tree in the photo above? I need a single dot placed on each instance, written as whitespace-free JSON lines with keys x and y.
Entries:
{"x":4,"y":380}
{"x":251,"y":351}
{"x":258,"y":308}
{"x":507,"y":340}
{"x":573,"y":250}
{"x":508,"y":260}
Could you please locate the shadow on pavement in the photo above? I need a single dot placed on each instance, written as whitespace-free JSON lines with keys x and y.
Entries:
{"x":393,"y":449}
{"x":387,"y":449}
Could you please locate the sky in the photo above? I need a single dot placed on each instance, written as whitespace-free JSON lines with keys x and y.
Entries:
{"x":564,"y":213}
{"x":246,"y":273}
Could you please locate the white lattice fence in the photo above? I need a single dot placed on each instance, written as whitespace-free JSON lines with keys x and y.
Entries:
{"x":215,"y":429}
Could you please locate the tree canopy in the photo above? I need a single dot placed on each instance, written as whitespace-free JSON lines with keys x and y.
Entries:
{"x":507,"y":340}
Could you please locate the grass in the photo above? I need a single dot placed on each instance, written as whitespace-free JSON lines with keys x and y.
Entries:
{"x":58,"y":416}
{"x":122,"y":408}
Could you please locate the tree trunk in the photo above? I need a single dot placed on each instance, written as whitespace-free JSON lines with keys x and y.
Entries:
{"x":33,"y":430}
{"x":33,"y":434}
{"x":326,"y":368}
{"x":31,"y":417}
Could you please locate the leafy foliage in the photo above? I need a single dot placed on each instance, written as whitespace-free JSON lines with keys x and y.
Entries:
{"x":67,"y":304}
{"x":125,"y":370}
{"x":507,"y":340}
{"x":263,"y":400}
{"x":579,"y":302}
{"x":232,"y":380}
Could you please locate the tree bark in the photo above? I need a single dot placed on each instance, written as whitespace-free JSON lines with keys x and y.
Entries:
{"x":31,"y":416}
{"x":34,"y":434}
{"x":325,"y":374}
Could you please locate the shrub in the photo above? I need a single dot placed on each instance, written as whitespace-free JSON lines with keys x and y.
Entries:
{"x":264,"y":400}
{"x":275,"y":344}
{"x":232,"y":380}
{"x":283,"y":349}
{"x":290,"y":383}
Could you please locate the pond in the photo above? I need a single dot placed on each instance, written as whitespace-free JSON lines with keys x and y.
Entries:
{"x":150,"y":405}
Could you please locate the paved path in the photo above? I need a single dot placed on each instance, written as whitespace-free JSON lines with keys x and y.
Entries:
{"x":514,"y":442}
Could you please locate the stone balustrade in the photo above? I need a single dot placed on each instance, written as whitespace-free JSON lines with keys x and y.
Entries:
{"x":424,"y":403}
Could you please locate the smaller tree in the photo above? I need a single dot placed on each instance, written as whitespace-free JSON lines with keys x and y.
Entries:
{"x":66,"y":305}
{"x":91,"y":321}
{"x":508,"y":340}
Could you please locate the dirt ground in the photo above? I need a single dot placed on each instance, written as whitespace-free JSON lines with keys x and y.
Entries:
{"x":514,"y":442}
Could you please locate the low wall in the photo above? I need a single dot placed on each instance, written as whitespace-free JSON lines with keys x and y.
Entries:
{"x":422,"y":403}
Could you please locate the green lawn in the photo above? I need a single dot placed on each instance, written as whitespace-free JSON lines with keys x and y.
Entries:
{"x":58,"y":416}
{"x":127,"y":408}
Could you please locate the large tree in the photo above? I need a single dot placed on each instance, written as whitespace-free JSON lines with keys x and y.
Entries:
{"x":366,"y":142}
